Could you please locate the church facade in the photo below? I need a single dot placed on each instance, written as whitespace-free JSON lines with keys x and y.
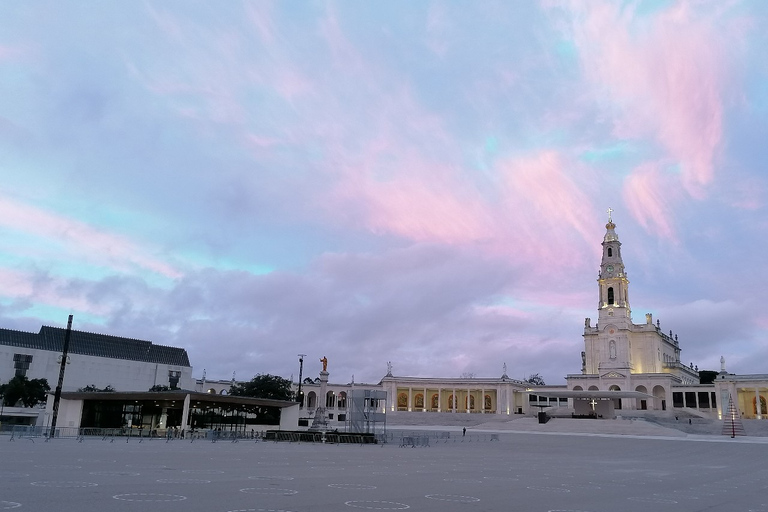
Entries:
{"x":620,"y":355}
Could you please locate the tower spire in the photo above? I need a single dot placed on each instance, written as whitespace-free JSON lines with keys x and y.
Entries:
{"x":612,"y":281}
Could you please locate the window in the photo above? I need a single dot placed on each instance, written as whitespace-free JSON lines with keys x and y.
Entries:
{"x":21,"y":364}
{"x":677,"y":399}
{"x":610,"y":296}
{"x":704,"y":399}
{"x":610,"y":252}
{"x":690,"y":399}
{"x":173,"y":379}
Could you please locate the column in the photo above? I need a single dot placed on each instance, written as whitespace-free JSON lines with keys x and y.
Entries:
{"x":469,"y":400}
{"x":482,"y":400}
{"x":455,"y":402}
{"x":439,"y":399}
{"x":410,"y":399}
{"x":758,"y":409}
{"x":185,"y":413}
{"x":424,"y":402}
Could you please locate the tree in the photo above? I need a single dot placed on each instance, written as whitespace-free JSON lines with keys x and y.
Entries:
{"x":21,"y":389}
{"x":535,"y":380}
{"x":91,"y":388}
{"x":264,"y":386}
{"x":157,"y":388}
{"x":707,"y":376}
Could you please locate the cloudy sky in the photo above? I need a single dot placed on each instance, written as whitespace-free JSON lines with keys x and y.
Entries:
{"x":417,"y":182}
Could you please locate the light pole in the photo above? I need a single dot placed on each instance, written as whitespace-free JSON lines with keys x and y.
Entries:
{"x":301,"y":373}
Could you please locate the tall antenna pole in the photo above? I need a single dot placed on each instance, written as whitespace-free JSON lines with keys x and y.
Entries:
{"x":301,"y":373}
{"x":62,"y":368}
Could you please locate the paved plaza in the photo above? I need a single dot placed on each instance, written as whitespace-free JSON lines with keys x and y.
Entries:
{"x":534,"y":471}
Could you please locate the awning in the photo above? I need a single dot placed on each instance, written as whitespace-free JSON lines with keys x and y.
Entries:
{"x":590,"y":395}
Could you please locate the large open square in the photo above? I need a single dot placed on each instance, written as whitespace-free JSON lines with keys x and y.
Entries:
{"x":519,"y":472}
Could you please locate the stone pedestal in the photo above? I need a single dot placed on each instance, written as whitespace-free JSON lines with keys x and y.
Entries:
{"x":320,"y":421}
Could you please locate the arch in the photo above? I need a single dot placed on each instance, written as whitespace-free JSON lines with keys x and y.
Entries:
{"x":419,"y":401}
{"x":610,"y":252}
{"x":610,"y":295}
{"x":593,"y":388}
{"x":342,"y":401}
{"x":450,"y":402}
{"x":212,"y":391}
{"x":487,"y":402}
{"x":471,"y":400}
{"x":223,"y":392}
{"x":659,"y":398}
{"x":435,"y":401}
{"x":330,"y":399}
{"x":578,"y":388}
{"x":402,"y":399}
{"x":762,"y":405}
{"x":311,"y":400}
{"x":641,"y":403}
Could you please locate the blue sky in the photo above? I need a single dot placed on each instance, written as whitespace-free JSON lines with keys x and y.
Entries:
{"x":422,"y":183}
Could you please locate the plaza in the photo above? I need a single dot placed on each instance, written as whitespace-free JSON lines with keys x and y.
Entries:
{"x":533,"y":471}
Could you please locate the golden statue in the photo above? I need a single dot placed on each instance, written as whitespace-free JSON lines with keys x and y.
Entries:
{"x":324,"y":360}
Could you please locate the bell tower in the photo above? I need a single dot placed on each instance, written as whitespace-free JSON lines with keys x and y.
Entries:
{"x":613,"y":284}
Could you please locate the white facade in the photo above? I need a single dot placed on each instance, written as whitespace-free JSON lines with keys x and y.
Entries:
{"x":620,"y":355}
{"x":93,"y":360}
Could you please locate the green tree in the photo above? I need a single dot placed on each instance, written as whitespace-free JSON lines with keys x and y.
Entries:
{"x":91,"y":388}
{"x":264,"y":386}
{"x":707,"y":376}
{"x":535,"y":380}
{"x":158,"y":388}
{"x":21,"y":389}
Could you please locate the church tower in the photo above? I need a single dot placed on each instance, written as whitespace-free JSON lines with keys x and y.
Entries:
{"x":613,"y":285}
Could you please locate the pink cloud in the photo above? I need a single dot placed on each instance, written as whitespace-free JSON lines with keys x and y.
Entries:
{"x":260,"y":15}
{"x":48,"y":291}
{"x":547,"y":206}
{"x":650,"y":195}
{"x":87,"y":242}
{"x":662,"y":76}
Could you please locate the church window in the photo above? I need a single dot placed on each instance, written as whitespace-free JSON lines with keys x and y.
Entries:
{"x":435,"y":401}
{"x":402,"y":400}
{"x":610,"y":252}
{"x":610,"y":296}
{"x":419,"y":401}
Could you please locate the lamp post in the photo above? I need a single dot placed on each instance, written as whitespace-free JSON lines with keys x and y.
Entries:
{"x":301,"y":372}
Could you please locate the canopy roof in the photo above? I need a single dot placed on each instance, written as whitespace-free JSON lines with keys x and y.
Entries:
{"x":590,"y":395}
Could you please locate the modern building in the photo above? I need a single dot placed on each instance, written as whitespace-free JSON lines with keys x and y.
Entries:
{"x":97,"y":360}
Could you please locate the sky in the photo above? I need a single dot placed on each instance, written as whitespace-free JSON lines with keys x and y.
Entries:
{"x":421,"y":183}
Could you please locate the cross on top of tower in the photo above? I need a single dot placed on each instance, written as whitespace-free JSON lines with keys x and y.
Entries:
{"x":610,"y":211}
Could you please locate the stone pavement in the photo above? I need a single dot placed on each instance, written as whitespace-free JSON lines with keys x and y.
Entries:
{"x":564,"y":471}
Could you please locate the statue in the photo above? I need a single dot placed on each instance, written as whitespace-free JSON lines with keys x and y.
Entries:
{"x":389,"y":368}
{"x":324,"y":360}
{"x":504,"y":366}
{"x":587,"y":321}
{"x":722,"y":364}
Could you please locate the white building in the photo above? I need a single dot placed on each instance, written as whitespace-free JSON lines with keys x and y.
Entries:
{"x":98,"y":360}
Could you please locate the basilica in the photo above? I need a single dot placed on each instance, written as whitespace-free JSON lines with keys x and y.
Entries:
{"x":625,"y":366}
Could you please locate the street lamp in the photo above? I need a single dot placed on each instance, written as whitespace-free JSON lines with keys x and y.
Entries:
{"x":301,"y":370}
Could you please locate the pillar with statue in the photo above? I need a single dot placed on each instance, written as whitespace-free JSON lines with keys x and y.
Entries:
{"x":320,"y":421}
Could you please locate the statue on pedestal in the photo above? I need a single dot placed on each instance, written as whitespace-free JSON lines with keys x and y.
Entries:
{"x":324,"y":360}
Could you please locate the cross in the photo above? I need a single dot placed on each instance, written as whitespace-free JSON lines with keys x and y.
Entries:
{"x":610,"y":210}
